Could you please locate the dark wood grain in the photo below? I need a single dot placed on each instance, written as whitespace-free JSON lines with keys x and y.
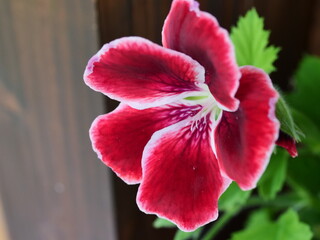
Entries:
{"x":294,"y":29}
{"x":314,"y":36}
{"x":51,"y":183}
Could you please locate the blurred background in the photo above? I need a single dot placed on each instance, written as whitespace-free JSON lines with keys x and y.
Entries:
{"x":52,"y":186}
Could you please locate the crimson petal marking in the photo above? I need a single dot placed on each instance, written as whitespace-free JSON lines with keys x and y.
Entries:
{"x":143,"y":74}
{"x":198,"y":34}
{"x":120,"y":136}
{"x":287,"y":143}
{"x":245,"y":139}
{"x":181,"y":177}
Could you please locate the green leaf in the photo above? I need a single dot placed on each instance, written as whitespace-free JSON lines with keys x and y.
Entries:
{"x":251,"y":42}
{"x":310,"y":130}
{"x":305,"y":97}
{"x":180,"y":235}
{"x":163,"y":223}
{"x":274,"y":177}
{"x":287,"y":124}
{"x":258,"y":218}
{"x":311,"y":216}
{"x":303,"y":171}
{"x":233,"y":197}
{"x":287,"y":227}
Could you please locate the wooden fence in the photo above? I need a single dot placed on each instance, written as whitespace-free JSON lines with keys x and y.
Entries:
{"x":52,"y":185}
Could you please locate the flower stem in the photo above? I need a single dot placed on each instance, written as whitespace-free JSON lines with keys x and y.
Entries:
{"x":282,"y":201}
{"x":221,"y":223}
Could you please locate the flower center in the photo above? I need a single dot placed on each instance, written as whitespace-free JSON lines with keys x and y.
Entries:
{"x":209,"y":112}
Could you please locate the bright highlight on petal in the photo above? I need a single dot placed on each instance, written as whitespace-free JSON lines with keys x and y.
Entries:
{"x":198,"y":34}
{"x":181,"y":177}
{"x":245,"y":139}
{"x":143,"y":74}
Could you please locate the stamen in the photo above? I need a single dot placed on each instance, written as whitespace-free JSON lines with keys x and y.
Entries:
{"x":194,"y":98}
{"x":209,"y":107}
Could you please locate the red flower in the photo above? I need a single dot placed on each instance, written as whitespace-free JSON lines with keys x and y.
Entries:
{"x":190,"y":121}
{"x":287,"y":142}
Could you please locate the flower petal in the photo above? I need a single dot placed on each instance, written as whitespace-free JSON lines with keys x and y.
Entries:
{"x":287,"y":143}
{"x":198,"y":34}
{"x":120,"y":136}
{"x":143,"y":74}
{"x":245,"y":139}
{"x":181,"y":177}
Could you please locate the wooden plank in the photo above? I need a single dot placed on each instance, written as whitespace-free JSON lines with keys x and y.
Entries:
{"x":3,"y":224}
{"x":51,"y":183}
{"x":314,"y":37}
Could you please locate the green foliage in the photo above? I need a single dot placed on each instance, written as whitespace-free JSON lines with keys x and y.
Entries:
{"x":163,"y":223}
{"x":258,"y":218}
{"x":305,"y":96}
{"x":311,"y":131}
{"x":180,"y":235}
{"x":287,"y":227}
{"x":274,"y":177}
{"x":251,"y":42}
{"x":284,"y":115}
{"x":311,"y":216}
{"x":304,"y":174}
{"x":233,"y":197}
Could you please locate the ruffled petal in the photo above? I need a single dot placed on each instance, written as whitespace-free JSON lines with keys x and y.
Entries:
{"x":287,"y":143}
{"x":120,"y":136}
{"x":181,"y":177}
{"x":143,"y":74}
{"x":245,"y":139}
{"x":198,"y":34}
